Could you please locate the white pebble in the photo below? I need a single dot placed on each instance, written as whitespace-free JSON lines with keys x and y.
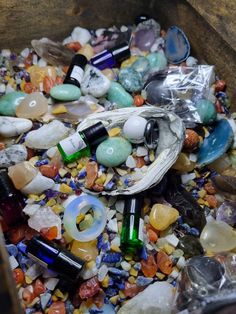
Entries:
{"x":9,"y":89}
{"x":50,"y":283}
{"x":35,"y":59}
{"x":110,"y":214}
{"x":31,"y":209}
{"x":120,"y":206}
{"x":174,"y":274}
{"x":99,"y":31}
{"x":67,"y":40}
{"x":52,"y":151}
{"x":181,"y":262}
{"x":116,"y":241}
{"x":193,"y":157}
{"x":130,"y":162}
{"x":34,"y":271}
{"x":112,"y":225}
{"x":102,"y":272}
{"x":42,"y":63}
{"x":137,"y":174}
{"x":185,"y":178}
{"x":191,"y":61}
{"x":13,"y":262}
{"x":125,"y":265}
{"x":142,"y":151}
{"x":6,"y":53}
{"x":2,"y":88}
{"x":25,"y":52}
{"x":172,"y":239}
{"x":144,"y":169}
{"x":123,"y":28}
{"x":82,"y":35}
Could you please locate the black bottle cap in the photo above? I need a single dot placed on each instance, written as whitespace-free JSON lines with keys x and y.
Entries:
{"x":134,"y":204}
{"x":50,"y":255}
{"x":141,"y":18}
{"x":95,"y":134}
{"x":121,"y":52}
{"x":6,"y":186}
{"x":79,"y":60}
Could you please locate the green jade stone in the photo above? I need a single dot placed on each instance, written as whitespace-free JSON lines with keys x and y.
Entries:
{"x":141,"y":65}
{"x":206,"y":110}
{"x":9,"y":102}
{"x":65,"y":92}
{"x":113,"y":151}
{"x":130,"y":79}
{"x":117,"y":94}
{"x":157,"y":60}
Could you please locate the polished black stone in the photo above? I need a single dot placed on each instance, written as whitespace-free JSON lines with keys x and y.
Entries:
{"x":151,"y":134}
{"x":191,"y":212}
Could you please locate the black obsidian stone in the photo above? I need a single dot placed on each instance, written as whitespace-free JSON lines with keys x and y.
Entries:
{"x":151,"y":134}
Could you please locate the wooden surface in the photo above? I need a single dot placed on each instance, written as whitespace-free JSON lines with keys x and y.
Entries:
{"x":9,"y":303}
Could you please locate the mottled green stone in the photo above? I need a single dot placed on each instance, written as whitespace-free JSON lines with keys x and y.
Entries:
{"x":9,"y":102}
{"x":141,"y":65}
{"x":206,"y":110}
{"x":130,"y":79}
{"x":157,"y":60}
{"x":117,"y":94}
{"x":65,"y":92}
{"x":113,"y":151}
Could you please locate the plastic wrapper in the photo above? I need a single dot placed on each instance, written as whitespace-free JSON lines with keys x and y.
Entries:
{"x":179,"y":88}
{"x":207,"y":285}
{"x":171,"y":136}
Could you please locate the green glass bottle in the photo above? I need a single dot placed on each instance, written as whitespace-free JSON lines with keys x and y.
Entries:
{"x":132,"y":227}
{"x":79,"y":144}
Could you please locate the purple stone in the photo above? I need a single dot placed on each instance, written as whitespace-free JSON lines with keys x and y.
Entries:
{"x":227,"y":212}
{"x":144,"y":39}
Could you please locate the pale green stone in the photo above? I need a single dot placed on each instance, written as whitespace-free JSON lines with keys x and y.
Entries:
{"x":113,"y":151}
{"x":9,"y":102}
{"x":65,"y":92}
{"x":206,"y":110}
{"x":117,"y":94}
{"x":157,"y":60}
{"x":141,"y":65}
{"x":130,"y":79}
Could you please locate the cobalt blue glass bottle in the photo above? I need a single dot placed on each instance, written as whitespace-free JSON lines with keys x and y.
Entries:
{"x":110,"y":57}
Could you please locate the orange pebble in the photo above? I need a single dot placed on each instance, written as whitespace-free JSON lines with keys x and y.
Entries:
{"x":220,"y":86}
{"x":2,"y":146}
{"x":57,"y":308}
{"x":140,"y":162}
{"x":149,"y":267}
{"x":211,"y":200}
{"x":49,"y":233}
{"x":29,"y":88}
{"x":18,"y":275}
{"x":164,"y":263}
{"x":38,"y":288}
{"x":191,"y":140}
{"x":75,"y":46}
{"x":152,"y":236}
{"x":138,"y":100}
{"x":48,"y":83}
{"x":49,"y":171}
{"x":209,"y":188}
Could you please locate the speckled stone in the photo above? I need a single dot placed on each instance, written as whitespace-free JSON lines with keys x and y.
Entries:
{"x":141,"y":65}
{"x":9,"y":102}
{"x":157,"y":60}
{"x":113,"y":151}
{"x":130,"y":79}
{"x":12,"y":155}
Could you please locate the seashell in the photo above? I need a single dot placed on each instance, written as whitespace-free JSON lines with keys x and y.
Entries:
{"x":177,"y":47}
{"x":216,"y":144}
{"x":171,"y":137}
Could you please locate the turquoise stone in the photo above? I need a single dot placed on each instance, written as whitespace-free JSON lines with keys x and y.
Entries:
{"x":130,"y":79}
{"x":113,"y":151}
{"x":216,"y":144}
{"x":9,"y":102}
{"x":117,"y":94}
{"x":206,"y":110}
{"x":157,"y":60}
{"x":65,"y":92}
{"x":141,"y":65}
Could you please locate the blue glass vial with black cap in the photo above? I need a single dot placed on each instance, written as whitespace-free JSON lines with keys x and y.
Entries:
{"x":51,"y":256}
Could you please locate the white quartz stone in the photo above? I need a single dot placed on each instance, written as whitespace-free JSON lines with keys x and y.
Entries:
{"x":130,"y":162}
{"x":82,"y":35}
{"x":10,"y":126}
{"x":157,"y":298}
{"x":142,"y":151}
{"x":94,"y":82}
{"x":47,"y":136}
{"x":39,"y":184}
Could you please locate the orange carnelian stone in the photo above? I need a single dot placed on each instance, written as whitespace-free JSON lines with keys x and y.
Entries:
{"x":138,"y":100}
{"x":39,"y":288}
{"x":19,"y":276}
{"x":149,"y":267}
{"x":48,"y":83}
{"x":164,"y":263}
{"x":49,"y":233}
{"x":57,"y":308}
{"x":49,"y":171}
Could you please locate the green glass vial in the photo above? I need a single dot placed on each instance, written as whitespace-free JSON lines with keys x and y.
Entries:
{"x":132,"y":227}
{"x":79,"y":144}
